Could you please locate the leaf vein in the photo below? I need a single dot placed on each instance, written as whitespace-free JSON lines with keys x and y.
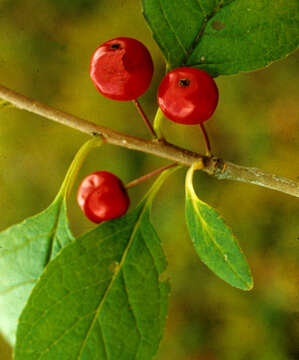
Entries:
{"x":69,"y":293}
{"x":218,"y":247}
{"x":132,"y":311}
{"x":97,"y":313}
{"x":13,"y":287}
{"x":172,"y":29}
{"x":104,"y":342}
{"x":202,"y":29}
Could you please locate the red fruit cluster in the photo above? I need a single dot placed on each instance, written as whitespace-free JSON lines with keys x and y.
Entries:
{"x":122,"y":69}
{"x":102,"y":196}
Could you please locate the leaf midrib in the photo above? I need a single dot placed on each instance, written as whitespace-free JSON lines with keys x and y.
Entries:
{"x":218,"y":247}
{"x":123,"y":258}
{"x":61,"y":299}
{"x":53,"y":233}
{"x":172,"y":30}
{"x":207,"y":18}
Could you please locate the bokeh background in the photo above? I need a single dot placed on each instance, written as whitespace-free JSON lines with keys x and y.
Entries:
{"x":45,"y":47}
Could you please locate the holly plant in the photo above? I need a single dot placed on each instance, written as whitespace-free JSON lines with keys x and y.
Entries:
{"x":102,"y":295}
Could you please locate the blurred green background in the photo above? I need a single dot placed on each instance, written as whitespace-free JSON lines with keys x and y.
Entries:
{"x":45,"y":47}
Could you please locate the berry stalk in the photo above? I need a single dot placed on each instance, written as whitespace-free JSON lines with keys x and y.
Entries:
{"x":149,"y":175}
{"x":77,"y":164}
{"x":206,"y":140}
{"x":144,"y":117}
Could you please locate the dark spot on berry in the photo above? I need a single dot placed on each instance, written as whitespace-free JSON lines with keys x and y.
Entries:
{"x":115,"y":46}
{"x":122,"y":187}
{"x":184,"y":82}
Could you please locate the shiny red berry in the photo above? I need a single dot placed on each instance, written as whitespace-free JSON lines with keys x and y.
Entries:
{"x":188,"y":96}
{"x":121,"y":68}
{"x":102,"y":196}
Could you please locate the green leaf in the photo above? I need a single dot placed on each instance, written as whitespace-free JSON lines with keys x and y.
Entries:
{"x":102,"y":297}
{"x":25,"y":249}
{"x":224,"y":36}
{"x":214,"y":241}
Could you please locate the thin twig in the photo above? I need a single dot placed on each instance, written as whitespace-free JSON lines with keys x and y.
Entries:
{"x":144,"y":117}
{"x":217,"y":167}
{"x":149,"y":175}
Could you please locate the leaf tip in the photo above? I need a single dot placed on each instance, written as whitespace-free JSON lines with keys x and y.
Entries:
{"x":248,"y":285}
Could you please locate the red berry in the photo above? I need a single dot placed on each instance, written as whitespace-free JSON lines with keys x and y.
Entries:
{"x":102,"y":196}
{"x":188,"y":96}
{"x":121,"y":68}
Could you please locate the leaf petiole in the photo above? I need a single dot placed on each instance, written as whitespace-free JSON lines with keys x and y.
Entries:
{"x":157,"y":124}
{"x":76,"y":165}
{"x":149,"y":196}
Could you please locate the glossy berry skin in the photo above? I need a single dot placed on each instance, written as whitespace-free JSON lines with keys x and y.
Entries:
{"x":102,"y":196}
{"x":121,"y":69}
{"x":188,"y":96}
